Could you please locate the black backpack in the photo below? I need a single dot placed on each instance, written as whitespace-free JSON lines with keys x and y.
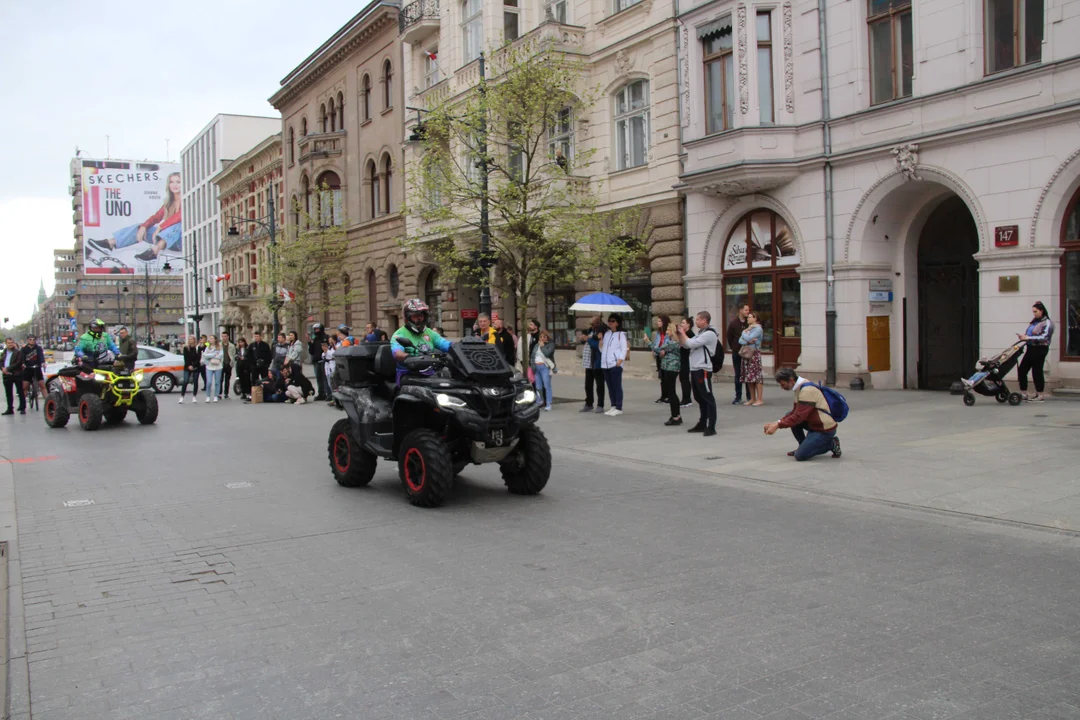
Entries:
{"x":718,"y":358}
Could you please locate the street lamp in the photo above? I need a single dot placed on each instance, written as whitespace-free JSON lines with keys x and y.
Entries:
{"x":268,"y":224}
{"x":167,"y":269}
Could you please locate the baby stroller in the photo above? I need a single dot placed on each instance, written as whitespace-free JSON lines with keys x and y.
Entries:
{"x":989,"y":380}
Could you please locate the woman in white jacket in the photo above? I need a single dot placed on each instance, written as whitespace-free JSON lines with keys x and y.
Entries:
{"x":614,"y":349}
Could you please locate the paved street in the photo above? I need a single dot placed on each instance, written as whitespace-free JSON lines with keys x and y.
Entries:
{"x":221,"y":573}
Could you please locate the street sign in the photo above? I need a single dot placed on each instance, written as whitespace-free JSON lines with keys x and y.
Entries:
{"x":879,"y":296}
{"x":881,"y":290}
{"x":469,"y":314}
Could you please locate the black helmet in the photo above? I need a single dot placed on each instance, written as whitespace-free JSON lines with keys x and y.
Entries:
{"x":412,"y":307}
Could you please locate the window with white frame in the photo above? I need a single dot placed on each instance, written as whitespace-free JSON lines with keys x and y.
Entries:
{"x":718,"y":56}
{"x":561,"y":139}
{"x":632,"y":124}
{"x":891,"y":64}
{"x":511,"y":21}
{"x":472,"y":29}
{"x":431,"y":67}
{"x":765,"y":67}
{"x":621,"y":5}
{"x":1014,"y":33}
{"x":556,"y":11}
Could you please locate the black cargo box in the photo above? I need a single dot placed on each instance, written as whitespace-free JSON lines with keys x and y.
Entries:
{"x":355,"y":364}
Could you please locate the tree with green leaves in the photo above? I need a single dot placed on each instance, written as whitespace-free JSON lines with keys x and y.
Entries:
{"x":544,"y":225}
{"x":309,"y":263}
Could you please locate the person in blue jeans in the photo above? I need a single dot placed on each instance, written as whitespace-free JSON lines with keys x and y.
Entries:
{"x":810,"y":421}
{"x":543,"y":365}
{"x":613,"y":353}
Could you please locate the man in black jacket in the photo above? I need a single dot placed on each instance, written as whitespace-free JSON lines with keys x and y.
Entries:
{"x":315,"y":343}
{"x":11,"y":364}
{"x":505,"y":342}
{"x":129,"y":349}
{"x":33,"y":362}
{"x":260,"y":359}
{"x":734,"y":330}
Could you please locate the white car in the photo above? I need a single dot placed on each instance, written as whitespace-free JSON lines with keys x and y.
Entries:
{"x":162,"y":370}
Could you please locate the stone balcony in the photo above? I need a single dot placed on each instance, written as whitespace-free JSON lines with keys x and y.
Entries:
{"x":749,"y":160}
{"x":418,"y":21}
{"x":322,"y":145}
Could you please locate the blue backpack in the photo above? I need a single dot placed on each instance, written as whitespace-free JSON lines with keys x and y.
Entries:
{"x":838,"y":407}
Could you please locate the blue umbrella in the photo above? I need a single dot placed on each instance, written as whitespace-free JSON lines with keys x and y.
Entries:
{"x":601,"y":303}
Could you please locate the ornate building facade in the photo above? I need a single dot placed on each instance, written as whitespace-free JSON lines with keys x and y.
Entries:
{"x":342,"y":111}
{"x":627,"y":46}
{"x":244,"y":188}
{"x":923,"y":196}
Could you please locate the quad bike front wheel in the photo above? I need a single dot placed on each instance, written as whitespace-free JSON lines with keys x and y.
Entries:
{"x":425,"y":468}
{"x":56,"y":410}
{"x":351,"y":464}
{"x":91,"y":411}
{"x":527,"y":469}
{"x":145,"y":406}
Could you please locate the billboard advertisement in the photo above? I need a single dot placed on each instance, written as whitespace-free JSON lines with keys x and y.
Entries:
{"x":131,"y":218}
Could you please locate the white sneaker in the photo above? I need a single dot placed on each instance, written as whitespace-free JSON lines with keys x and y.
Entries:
{"x":300,"y":401}
{"x":194,"y":400}
{"x":611,"y":412}
{"x":181,"y":401}
{"x":615,"y":413}
{"x":215,"y":399}
{"x":207,"y":398}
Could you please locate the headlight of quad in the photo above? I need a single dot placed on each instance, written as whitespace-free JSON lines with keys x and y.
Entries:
{"x":449,"y":400}
{"x":138,"y":376}
{"x":99,"y":377}
{"x":526,"y":397}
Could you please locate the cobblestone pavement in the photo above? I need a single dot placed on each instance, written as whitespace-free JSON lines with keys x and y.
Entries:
{"x":221,"y":573}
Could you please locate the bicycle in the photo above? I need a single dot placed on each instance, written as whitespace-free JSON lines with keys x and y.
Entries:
{"x":32,"y":395}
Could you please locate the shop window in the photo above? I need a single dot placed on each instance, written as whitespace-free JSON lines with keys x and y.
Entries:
{"x":1069,"y":322}
{"x":760,"y":261}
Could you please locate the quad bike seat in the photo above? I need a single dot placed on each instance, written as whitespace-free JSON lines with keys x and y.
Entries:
{"x":385,"y":365}
{"x":73,"y":371}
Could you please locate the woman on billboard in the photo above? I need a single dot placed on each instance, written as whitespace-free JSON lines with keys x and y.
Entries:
{"x":163,"y":227}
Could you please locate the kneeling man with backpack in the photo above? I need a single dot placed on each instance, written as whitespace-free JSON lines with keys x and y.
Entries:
{"x":814,"y":418}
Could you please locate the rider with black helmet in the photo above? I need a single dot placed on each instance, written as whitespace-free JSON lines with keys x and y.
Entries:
{"x":96,"y":347}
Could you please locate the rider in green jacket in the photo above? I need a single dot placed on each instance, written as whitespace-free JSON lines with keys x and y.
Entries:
{"x":95,"y":343}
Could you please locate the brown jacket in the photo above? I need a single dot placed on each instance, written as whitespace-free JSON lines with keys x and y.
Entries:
{"x":810,"y":408}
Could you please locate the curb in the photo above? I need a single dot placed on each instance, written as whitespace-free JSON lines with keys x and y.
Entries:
{"x":14,"y":670}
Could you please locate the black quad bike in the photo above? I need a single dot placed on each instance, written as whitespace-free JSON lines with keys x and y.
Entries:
{"x":96,"y":395}
{"x":451,"y":410}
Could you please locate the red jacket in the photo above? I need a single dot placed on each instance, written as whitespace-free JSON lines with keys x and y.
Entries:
{"x":156,"y":218}
{"x":810,"y":408}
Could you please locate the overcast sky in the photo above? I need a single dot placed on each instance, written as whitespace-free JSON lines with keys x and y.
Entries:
{"x":140,"y":72}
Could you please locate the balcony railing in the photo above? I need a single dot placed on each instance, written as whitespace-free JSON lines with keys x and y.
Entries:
{"x":417,"y":12}
{"x":237,"y":292}
{"x":317,"y":145}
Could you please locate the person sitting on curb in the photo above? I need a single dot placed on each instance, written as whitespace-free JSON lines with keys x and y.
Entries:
{"x":810,"y":422}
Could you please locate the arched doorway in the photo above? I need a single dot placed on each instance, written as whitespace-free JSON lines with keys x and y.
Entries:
{"x":948,"y":295}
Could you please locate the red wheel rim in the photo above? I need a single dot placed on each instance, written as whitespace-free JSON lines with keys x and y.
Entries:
{"x":341,"y":453}
{"x":415,"y":469}
{"x":84,"y":411}
{"x":50,"y":410}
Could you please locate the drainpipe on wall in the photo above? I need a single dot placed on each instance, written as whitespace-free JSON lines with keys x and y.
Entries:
{"x":826,"y":133}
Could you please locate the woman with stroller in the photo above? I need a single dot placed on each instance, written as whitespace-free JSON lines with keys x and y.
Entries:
{"x":1039,"y":333}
